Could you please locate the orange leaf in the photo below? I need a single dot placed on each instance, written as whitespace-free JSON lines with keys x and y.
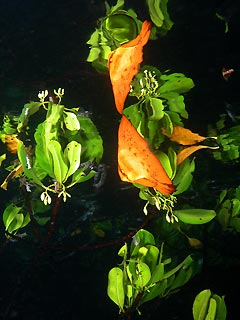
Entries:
{"x":136,"y":163}
{"x":184,"y":136}
{"x":123,"y":65}
{"x":185,"y":153}
{"x":12,"y":142}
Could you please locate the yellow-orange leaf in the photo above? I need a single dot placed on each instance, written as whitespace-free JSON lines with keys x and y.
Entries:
{"x":136,"y":163}
{"x":185,"y":153}
{"x":184,"y":136}
{"x":12,"y":142}
{"x":123,"y":65}
{"x":17,"y":171}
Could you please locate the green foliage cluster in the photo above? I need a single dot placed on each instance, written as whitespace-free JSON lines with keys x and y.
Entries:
{"x":228,"y":209}
{"x":61,"y":153}
{"x":145,"y":273}
{"x":161,"y":105}
{"x":120,"y":26}
{"x":209,"y":306}
{"x":228,"y":139}
{"x":58,"y":147}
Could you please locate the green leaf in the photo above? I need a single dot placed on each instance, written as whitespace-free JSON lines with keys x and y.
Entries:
{"x":157,"y":107}
{"x":235,"y":207}
{"x":143,"y":238}
{"x":221,"y":313}
{"x":115,"y":289}
{"x":28,"y":110}
{"x":16,"y":223}
{"x":158,"y":290}
{"x":176,"y":82}
{"x":157,"y":273}
{"x":93,"y":41}
{"x":211,"y":309}
{"x":9,"y":214}
{"x":184,"y":264}
{"x":71,"y":121}
{"x":72,"y":153}
{"x":175,"y":103}
{"x":200,"y":305}
{"x":155,"y":12}
{"x":151,"y":257}
{"x":91,"y":141}
{"x":142,"y":276}
{"x":119,"y":5}
{"x":2,"y":158}
{"x":167,"y":123}
{"x":165,"y":162}
{"x":42,"y":153}
{"x":183,"y":177}
{"x":195,"y":216}
{"x":121,"y":27}
{"x":28,"y":169}
{"x":93,"y":54}
{"x":60,"y":167}
{"x":79,"y":176}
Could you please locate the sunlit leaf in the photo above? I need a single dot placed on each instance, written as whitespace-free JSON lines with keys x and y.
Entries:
{"x":184,"y":136}
{"x":115,"y":287}
{"x":136,"y":163}
{"x":60,"y":167}
{"x":71,"y":121}
{"x":177,"y":82}
{"x":195,"y":216}
{"x":143,"y":275}
{"x":9,"y":214}
{"x":200,"y":305}
{"x":123,"y":65}
{"x":72,"y":153}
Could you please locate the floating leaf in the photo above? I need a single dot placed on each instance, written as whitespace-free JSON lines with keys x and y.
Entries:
{"x":123,"y":65}
{"x":136,"y":163}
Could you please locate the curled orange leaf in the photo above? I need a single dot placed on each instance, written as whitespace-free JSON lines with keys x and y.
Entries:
{"x":136,"y":163}
{"x":186,"y":152}
{"x":123,"y":65}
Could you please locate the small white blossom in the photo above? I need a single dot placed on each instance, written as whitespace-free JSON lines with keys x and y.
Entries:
{"x":42,"y":95}
{"x":45,"y":198}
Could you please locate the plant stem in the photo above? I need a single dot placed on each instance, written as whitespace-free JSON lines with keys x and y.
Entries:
{"x":51,"y":227}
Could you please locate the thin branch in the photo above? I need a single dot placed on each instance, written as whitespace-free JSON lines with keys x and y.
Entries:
{"x":110,"y":243}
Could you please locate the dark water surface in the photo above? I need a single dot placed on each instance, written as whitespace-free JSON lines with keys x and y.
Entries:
{"x":43,"y":46}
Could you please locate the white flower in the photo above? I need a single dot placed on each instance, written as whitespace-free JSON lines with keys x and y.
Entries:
{"x":42,"y":95}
